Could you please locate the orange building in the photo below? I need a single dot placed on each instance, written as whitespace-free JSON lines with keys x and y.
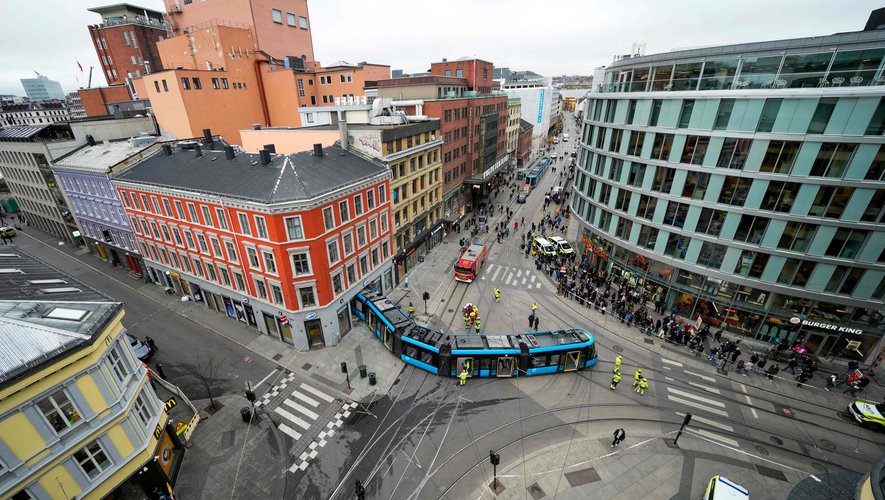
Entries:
{"x":95,"y":101}
{"x":281,"y":27}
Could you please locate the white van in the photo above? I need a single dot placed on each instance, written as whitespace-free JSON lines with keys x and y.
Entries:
{"x":562,"y":245}
{"x":720,"y":488}
{"x":543,"y":247}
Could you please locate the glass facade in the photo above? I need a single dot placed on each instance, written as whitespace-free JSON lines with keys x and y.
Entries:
{"x":763,"y":216}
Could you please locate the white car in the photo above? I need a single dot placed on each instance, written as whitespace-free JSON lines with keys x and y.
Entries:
{"x":561,"y":245}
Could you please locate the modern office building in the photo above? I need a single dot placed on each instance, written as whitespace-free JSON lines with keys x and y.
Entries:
{"x":278,"y":242}
{"x":745,"y":185}
{"x":126,"y":41}
{"x":78,"y":416}
{"x":43,"y":89}
{"x":539,"y":100}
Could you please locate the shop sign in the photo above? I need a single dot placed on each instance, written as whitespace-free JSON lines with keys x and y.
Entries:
{"x":283,"y":318}
{"x":180,"y":427}
{"x":829,"y":326}
{"x":595,"y":249}
{"x":310,"y":316}
{"x":170,"y":403}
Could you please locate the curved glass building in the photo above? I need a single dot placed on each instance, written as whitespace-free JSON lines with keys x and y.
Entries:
{"x":745,"y":185}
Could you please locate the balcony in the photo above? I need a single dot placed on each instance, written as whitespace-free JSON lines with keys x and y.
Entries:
{"x":137,"y":20}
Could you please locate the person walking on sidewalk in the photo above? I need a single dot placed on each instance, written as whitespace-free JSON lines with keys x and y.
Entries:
{"x":463,"y":377}
{"x":618,"y":363}
{"x":619,"y":436}
{"x":791,"y":365}
{"x":534,"y":309}
{"x":497,"y":294}
{"x":772,"y":371}
{"x":852,"y":388}
{"x":637,"y":377}
{"x":411,"y":310}
{"x":643,"y":386}
{"x":616,"y":378}
{"x":536,"y":321}
{"x":360,"y":491}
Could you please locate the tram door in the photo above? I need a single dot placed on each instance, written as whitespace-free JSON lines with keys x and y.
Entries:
{"x":505,"y":367}
{"x":572,"y":361}
{"x":372,"y":320}
{"x":388,"y":337}
{"x":465,"y":363}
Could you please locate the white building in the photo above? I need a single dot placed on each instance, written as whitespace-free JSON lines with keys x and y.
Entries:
{"x":75,"y":106}
{"x":43,"y":89}
{"x":32,"y":114}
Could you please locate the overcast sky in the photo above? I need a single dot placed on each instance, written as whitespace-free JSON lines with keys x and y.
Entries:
{"x":550,"y":37}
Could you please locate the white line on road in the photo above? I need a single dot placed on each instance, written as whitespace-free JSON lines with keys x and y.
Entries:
{"x":518,"y":274}
{"x":696,"y":397}
{"x":316,"y":392}
{"x":708,"y":379}
{"x":749,"y":401}
{"x":310,"y":401}
{"x":507,"y":281}
{"x":265,"y":379}
{"x":298,"y":407}
{"x":716,"y":437}
{"x":671,"y":362}
{"x":290,"y":431}
{"x":667,"y":368}
{"x":704,"y":387}
{"x":668,"y":379}
{"x":292,"y":418}
{"x":538,"y":285}
{"x":523,"y":282}
{"x":495,"y":276}
{"x":713,"y":423}
{"x":697,"y":405}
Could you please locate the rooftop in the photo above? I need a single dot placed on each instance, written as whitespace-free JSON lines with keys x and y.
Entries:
{"x":287,"y":178}
{"x":37,"y":133}
{"x":44,"y":313}
{"x":101,"y":157}
{"x":423,"y":80}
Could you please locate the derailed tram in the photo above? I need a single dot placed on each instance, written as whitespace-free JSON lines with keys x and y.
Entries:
{"x":503,"y":355}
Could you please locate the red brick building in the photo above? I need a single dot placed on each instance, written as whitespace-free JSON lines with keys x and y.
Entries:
{"x":476,"y":71}
{"x":95,"y":101}
{"x":278,"y":242}
{"x":126,"y":41}
{"x":524,"y":149}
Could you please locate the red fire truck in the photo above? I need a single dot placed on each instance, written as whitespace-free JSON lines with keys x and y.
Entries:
{"x":470,"y":263}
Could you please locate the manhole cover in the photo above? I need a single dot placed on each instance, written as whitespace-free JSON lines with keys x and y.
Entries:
{"x":450,"y":310}
{"x":818,"y":467}
{"x":649,"y":341}
{"x":277,"y":357}
{"x":776,"y":440}
{"x":536,"y":492}
{"x":583,"y":476}
{"x":306,"y":366}
{"x":617,"y":348}
{"x":772,"y":473}
{"x":762,"y":450}
{"x":826,"y":443}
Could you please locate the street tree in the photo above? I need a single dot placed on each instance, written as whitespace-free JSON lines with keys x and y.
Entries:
{"x":207,"y":371}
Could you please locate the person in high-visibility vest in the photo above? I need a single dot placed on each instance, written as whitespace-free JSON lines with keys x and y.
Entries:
{"x":411,"y":309}
{"x":637,"y":377}
{"x":473,"y":316}
{"x":643,"y":385}
{"x":618,"y":363}
{"x":477,"y":325}
{"x":463,"y":377}
{"x":497,"y":295}
{"x":615,"y":379}
{"x":534,"y":307}
{"x":466,"y":321}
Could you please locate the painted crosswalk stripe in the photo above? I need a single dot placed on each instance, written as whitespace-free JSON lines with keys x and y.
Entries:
{"x":302,"y":397}
{"x":716,"y":437}
{"x":507,"y":281}
{"x":523,"y":281}
{"x":537,"y":285}
{"x":696,"y":397}
{"x":292,"y":418}
{"x":318,"y":393}
{"x":704,"y":387}
{"x":297,"y":407}
{"x":671,"y":362}
{"x":518,"y":273}
{"x":292,"y":433}
{"x":532,"y":278}
{"x":697,"y":405}
{"x":698,"y":375}
{"x":711,"y":423}
{"x":495,"y":276}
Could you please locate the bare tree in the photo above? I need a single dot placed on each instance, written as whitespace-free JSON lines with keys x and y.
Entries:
{"x":207,"y":371}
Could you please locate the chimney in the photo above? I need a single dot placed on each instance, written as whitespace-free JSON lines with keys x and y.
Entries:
{"x":199,"y":150}
{"x":207,"y":136}
{"x":342,"y":131}
{"x":271,"y":148}
{"x":229,"y":152}
{"x":90,"y":140}
{"x":167,"y":149}
{"x":265,"y":156}
{"x":318,"y":150}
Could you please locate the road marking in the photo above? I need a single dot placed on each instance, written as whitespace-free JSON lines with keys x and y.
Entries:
{"x":507,"y":281}
{"x":537,"y":285}
{"x":668,"y":379}
{"x":265,"y":379}
{"x":696,"y":397}
{"x":298,"y":407}
{"x":667,"y":368}
{"x":671,"y":362}
{"x":532,"y":278}
{"x":495,"y":276}
{"x":749,"y":401}
{"x":697,"y":405}
{"x":518,"y":274}
{"x":306,"y":399}
{"x":292,"y":418}
{"x":704,"y":387}
{"x":716,"y":437}
{"x":316,"y":392}
{"x":290,"y":431}
{"x":713,"y":423}
{"x":523,"y":282}
{"x":708,"y":379}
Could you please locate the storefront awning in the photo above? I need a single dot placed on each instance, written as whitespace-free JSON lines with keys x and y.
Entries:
{"x":487,"y":175}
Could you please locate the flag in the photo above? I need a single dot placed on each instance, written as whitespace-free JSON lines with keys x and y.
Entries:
{"x":79,"y":65}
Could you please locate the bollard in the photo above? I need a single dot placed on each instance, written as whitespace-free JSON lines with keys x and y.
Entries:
{"x":372,"y":380}
{"x":362,"y":371}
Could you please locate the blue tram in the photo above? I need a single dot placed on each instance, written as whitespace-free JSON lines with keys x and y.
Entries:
{"x":504,"y":355}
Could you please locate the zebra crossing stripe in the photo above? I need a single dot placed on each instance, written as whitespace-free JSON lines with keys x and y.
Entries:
{"x":297,"y":407}
{"x":292,"y":433}
{"x":537,"y":285}
{"x":316,"y":392}
{"x":292,"y":418}
{"x":497,"y":270}
{"x":302,"y":397}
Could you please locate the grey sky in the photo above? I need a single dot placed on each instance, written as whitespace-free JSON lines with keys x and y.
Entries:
{"x":551,"y":37}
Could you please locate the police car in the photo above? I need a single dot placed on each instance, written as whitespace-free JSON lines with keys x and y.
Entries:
{"x":868,"y":414}
{"x":562,"y":245}
{"x":720,"y":488}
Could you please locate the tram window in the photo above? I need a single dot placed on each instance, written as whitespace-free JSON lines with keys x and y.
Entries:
{"x":485,"y":364}
{"x":554,"y":359}
{"x":412,"y":352}
{"x":591,"y":352}
{"x":538,"y":361}
{"x":427,"y":357}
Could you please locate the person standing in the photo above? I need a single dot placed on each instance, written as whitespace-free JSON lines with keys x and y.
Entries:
{"x":772,"y":371}
{"x":616,"y":378}
{"x":151,"y":344}
{"x":791,"y":365}
{"x":534,"y":309}
{"x":497,"y":294}
{"x":536,"y":323}
{"x":411,"y":310}
{"x":360,"y":491}
{"x":831,"y":382}
{"x":477,"y":325}
{"x":463,"y":377}
{"x":852,"y":388}
{"x":637,"y":377}
{"x":160,"y":372}
{"x":618,"y":363}
{"x":531,"y":320}
{"x":643,"y":386}
{"x":619,"y":436}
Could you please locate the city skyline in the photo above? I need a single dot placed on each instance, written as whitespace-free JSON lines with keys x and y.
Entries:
{"x":542,"y":45}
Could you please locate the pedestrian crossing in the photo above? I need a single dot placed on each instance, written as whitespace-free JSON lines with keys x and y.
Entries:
{"x":510,"y":276}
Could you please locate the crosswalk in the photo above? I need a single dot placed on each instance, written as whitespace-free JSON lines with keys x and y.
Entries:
{"x":708,"y":402}
{"x":510,"y":276}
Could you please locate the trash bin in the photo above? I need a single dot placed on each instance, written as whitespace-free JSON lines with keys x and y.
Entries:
{"x":372,"y":378}
{"x":362,"y":371}
{"x":246,"y":413}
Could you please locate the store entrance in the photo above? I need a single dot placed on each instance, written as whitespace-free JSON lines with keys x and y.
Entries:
{"x":820,"y":344}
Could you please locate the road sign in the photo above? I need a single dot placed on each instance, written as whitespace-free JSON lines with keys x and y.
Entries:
{"x":310,"y":315}
{"x":180,"y":427}
{"x":170,"y":403}
{"x":283,"y":318}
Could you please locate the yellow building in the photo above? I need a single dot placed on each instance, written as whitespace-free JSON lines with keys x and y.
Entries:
{"x":78,"y":416}
{"x":514,"y":113}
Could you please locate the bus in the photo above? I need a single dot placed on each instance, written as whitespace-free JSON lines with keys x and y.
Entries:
{"x":470,"y":263}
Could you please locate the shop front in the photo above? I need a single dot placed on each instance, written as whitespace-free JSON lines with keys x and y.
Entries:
{"x":414,"y":253}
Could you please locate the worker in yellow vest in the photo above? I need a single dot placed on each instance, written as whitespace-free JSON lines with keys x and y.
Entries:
{"x":411,"y":310}
{"x":477,"y":325}
{"x":463,"y":377}
{"x":643,"y":386}
{"x":497,"y":294}
{"x":615,"y":379}
{"x":637,"y":377}
{"x":618,"y":363}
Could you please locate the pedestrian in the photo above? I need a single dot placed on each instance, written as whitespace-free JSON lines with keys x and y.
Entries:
{"x":151,"y":344}
{"x":531,"y":320}
{"x":748,"y":366}
{"x":619,"y":436}
{"x":831,"y":382}
{"x":477,"y":325}
{"x":463,"y":377}
{"x":534,"y":308}
{"x":466,"y":320}
{"x":791,"y":365}
{"x":616,"y":378}
{"x":760,"y":365}
{"x":159,"y":371}
{"x":772,"y":371}
{"x":618,"y":363}
{"x":852,"y":388}
{"x":411,"y":310}
{"x":536,"y":323}
{"x":497,"y":294}
{"x":643,"y":386}
{"x":803,"y":377}
{"x":636,"y":377}
{"x":739,"y":368}
{"x":360,"y":491}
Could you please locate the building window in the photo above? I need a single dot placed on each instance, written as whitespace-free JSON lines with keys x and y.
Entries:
{"x":337,"y":283}
{"x":290,"y":19}
{"x":207,"y":216}
{"x":216,"y":84}
{"x":780,"y":156}
{"x":239,"y":283}
{"x":382,"y":194}
{"x":231,"y":251}
{"x":252,"y":256}
{"x":261,"y":288}
{"x":307,"y":296}
{"x":119,"y":363}
{"x":261,"y":227}
{"x":332,"y":248}
{"x":59,"y":411}
{"x":92,"y":459}
{"x":222,"y":220}
{"x":751,"y":229}
{"x":197,"y":84}
{"x":655,"y":112}
{"x":358,"y":205}
{"x":347,"y":238}
{"x":276,"y":15}
{"x":244,"y":224}
{"x":293,"y":228}
{"x":302,"y":22}
{"x":329,"y":218}
{"x":276,"y":294}
{"x":143,"y":409}
{"x":361,"y":236}
{"x":780,"y":196}
{"x":351,"y":274}
{"x":344,"y":210}
{"x":723,"y":115}
{"x":157,"y":85}
{"x":301,"y":263}
{"x":185,"y":83}
{"x":846,"y":243}
{"x":270,"y":264}
{"x":734,"y":153}
{"x":822,"y":114}
{"x":300,"y":85}
{"x":796,"y":236}
{"x":832,"y":160}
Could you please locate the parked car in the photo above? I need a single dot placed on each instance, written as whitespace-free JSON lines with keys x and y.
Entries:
{"x":520,"y":198}
{"x":142,"y":351}
{"x":7,"y":232}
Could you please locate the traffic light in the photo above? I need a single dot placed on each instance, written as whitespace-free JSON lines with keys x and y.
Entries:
{"x":494,"y":458}
{"x":426,"y":296}
{"x":686,"y":420}
{"x":343,"y":367}
{"x":250,"y":395}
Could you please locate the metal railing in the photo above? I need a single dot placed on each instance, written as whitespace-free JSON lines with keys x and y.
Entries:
{"x":137,"y":20}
